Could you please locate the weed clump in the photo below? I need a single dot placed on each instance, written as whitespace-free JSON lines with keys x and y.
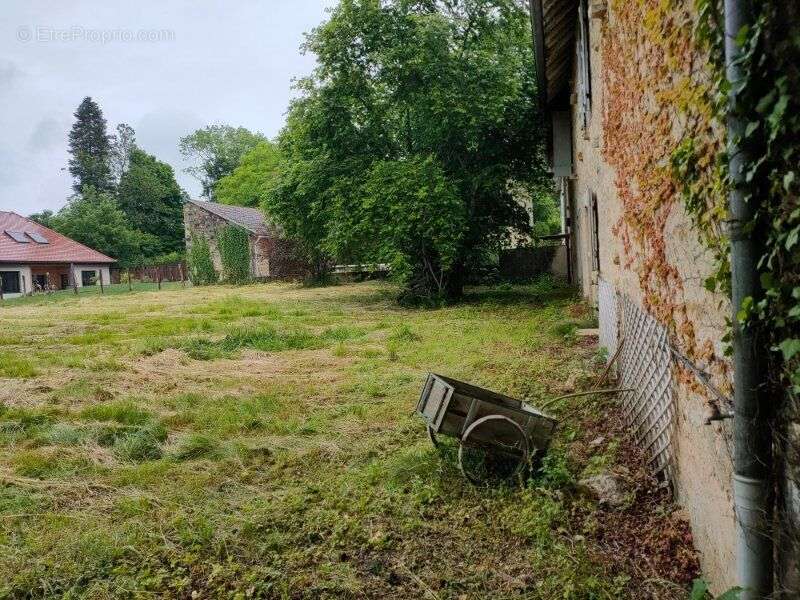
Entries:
{"x":196,"y":446}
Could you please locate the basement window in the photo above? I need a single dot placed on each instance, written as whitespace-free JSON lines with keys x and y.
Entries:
{"x":10,"y":282}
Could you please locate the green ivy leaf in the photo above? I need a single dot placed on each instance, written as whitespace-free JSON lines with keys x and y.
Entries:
{"x":788,"y":180}
{"x":792,"y":238}
{"x":790,"y":348}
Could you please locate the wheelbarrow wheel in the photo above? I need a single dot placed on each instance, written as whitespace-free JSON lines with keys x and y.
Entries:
{"x":493,"y":449}
{"x":432,"y":437}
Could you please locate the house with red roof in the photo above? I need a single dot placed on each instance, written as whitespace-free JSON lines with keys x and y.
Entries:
{"x":35,"y":258}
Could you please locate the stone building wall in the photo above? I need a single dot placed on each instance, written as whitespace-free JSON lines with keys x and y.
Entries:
{"x":271,"y":256}
{"x":703,"y":469}
{"x":201,"y":223}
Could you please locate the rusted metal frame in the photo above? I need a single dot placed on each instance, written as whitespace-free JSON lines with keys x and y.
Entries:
{"x":487,"y":419}
{"x":702,"y":377}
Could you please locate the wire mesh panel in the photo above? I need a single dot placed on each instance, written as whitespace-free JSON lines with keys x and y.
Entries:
{"x":608,"y":316}
{"x":646,"y":367}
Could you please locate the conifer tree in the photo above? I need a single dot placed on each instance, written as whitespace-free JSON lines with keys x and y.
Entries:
{"x":90,"y":146}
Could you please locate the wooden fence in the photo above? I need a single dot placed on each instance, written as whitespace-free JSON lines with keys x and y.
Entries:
{"x":151,"y":274}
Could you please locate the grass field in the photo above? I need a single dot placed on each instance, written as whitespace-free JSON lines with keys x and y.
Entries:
{"x":259,"y":442}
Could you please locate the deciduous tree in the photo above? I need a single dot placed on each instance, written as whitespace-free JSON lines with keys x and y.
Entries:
{"x":94,"y":219}
{"x":152,"y":200}
{"x":122,"y":146}
{"x":217,"y":150}
{"x":249,"y":182}
{"x":434,"y":98}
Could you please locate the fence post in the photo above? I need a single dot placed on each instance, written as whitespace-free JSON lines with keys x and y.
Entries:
{"x":130,"y":286}
{"x":102,"y":288}
{"x":183,"y":279}
{"x":158,"y":276}
{"x":74,"y":279}
{"x":1,"y":288}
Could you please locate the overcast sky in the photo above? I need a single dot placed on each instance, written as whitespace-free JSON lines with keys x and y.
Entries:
{"x":198,"y":62}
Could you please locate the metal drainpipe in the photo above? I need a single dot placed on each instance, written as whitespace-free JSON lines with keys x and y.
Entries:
{"x":752,"y":483}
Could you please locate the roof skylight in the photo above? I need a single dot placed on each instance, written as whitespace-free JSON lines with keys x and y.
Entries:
{"x":37,"y":237}
{"x":18,"y":236}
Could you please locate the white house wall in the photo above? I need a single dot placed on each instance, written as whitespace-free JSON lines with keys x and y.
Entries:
{"x":26,"y":280}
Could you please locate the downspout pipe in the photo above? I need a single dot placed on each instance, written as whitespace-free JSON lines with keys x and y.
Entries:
{"x":752,"y":482}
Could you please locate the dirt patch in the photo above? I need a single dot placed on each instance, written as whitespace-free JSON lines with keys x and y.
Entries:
{"x":650,"y":536}
{"x":172,"y":370}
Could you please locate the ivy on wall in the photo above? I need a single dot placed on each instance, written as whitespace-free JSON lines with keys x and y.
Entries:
{"x":234,"y":251}
{"x":770,"y":103}
{"x":665,"y":113}
{"x":198,"y":259}
{"x":667,"y":96}
{"x":659,"y":101}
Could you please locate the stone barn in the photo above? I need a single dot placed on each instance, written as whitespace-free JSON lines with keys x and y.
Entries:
{"x":271,"y":254}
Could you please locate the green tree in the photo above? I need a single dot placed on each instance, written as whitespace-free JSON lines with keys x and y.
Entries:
{"x":410,"y":216}
{"x":406,"y":90}
{"x":217,"y":151}
{"x":153,"y":200}
{"x":43,"y":218}
{"x":94,"y":219}
{"x":247,"y":185}
{"x":122,"y":146}
{"x":90,"y":147}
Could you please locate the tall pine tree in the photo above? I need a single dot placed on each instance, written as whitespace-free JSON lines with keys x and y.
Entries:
{"x":90,"y":147}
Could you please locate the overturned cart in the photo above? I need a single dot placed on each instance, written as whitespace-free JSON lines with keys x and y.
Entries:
{"x":498,"y":436}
